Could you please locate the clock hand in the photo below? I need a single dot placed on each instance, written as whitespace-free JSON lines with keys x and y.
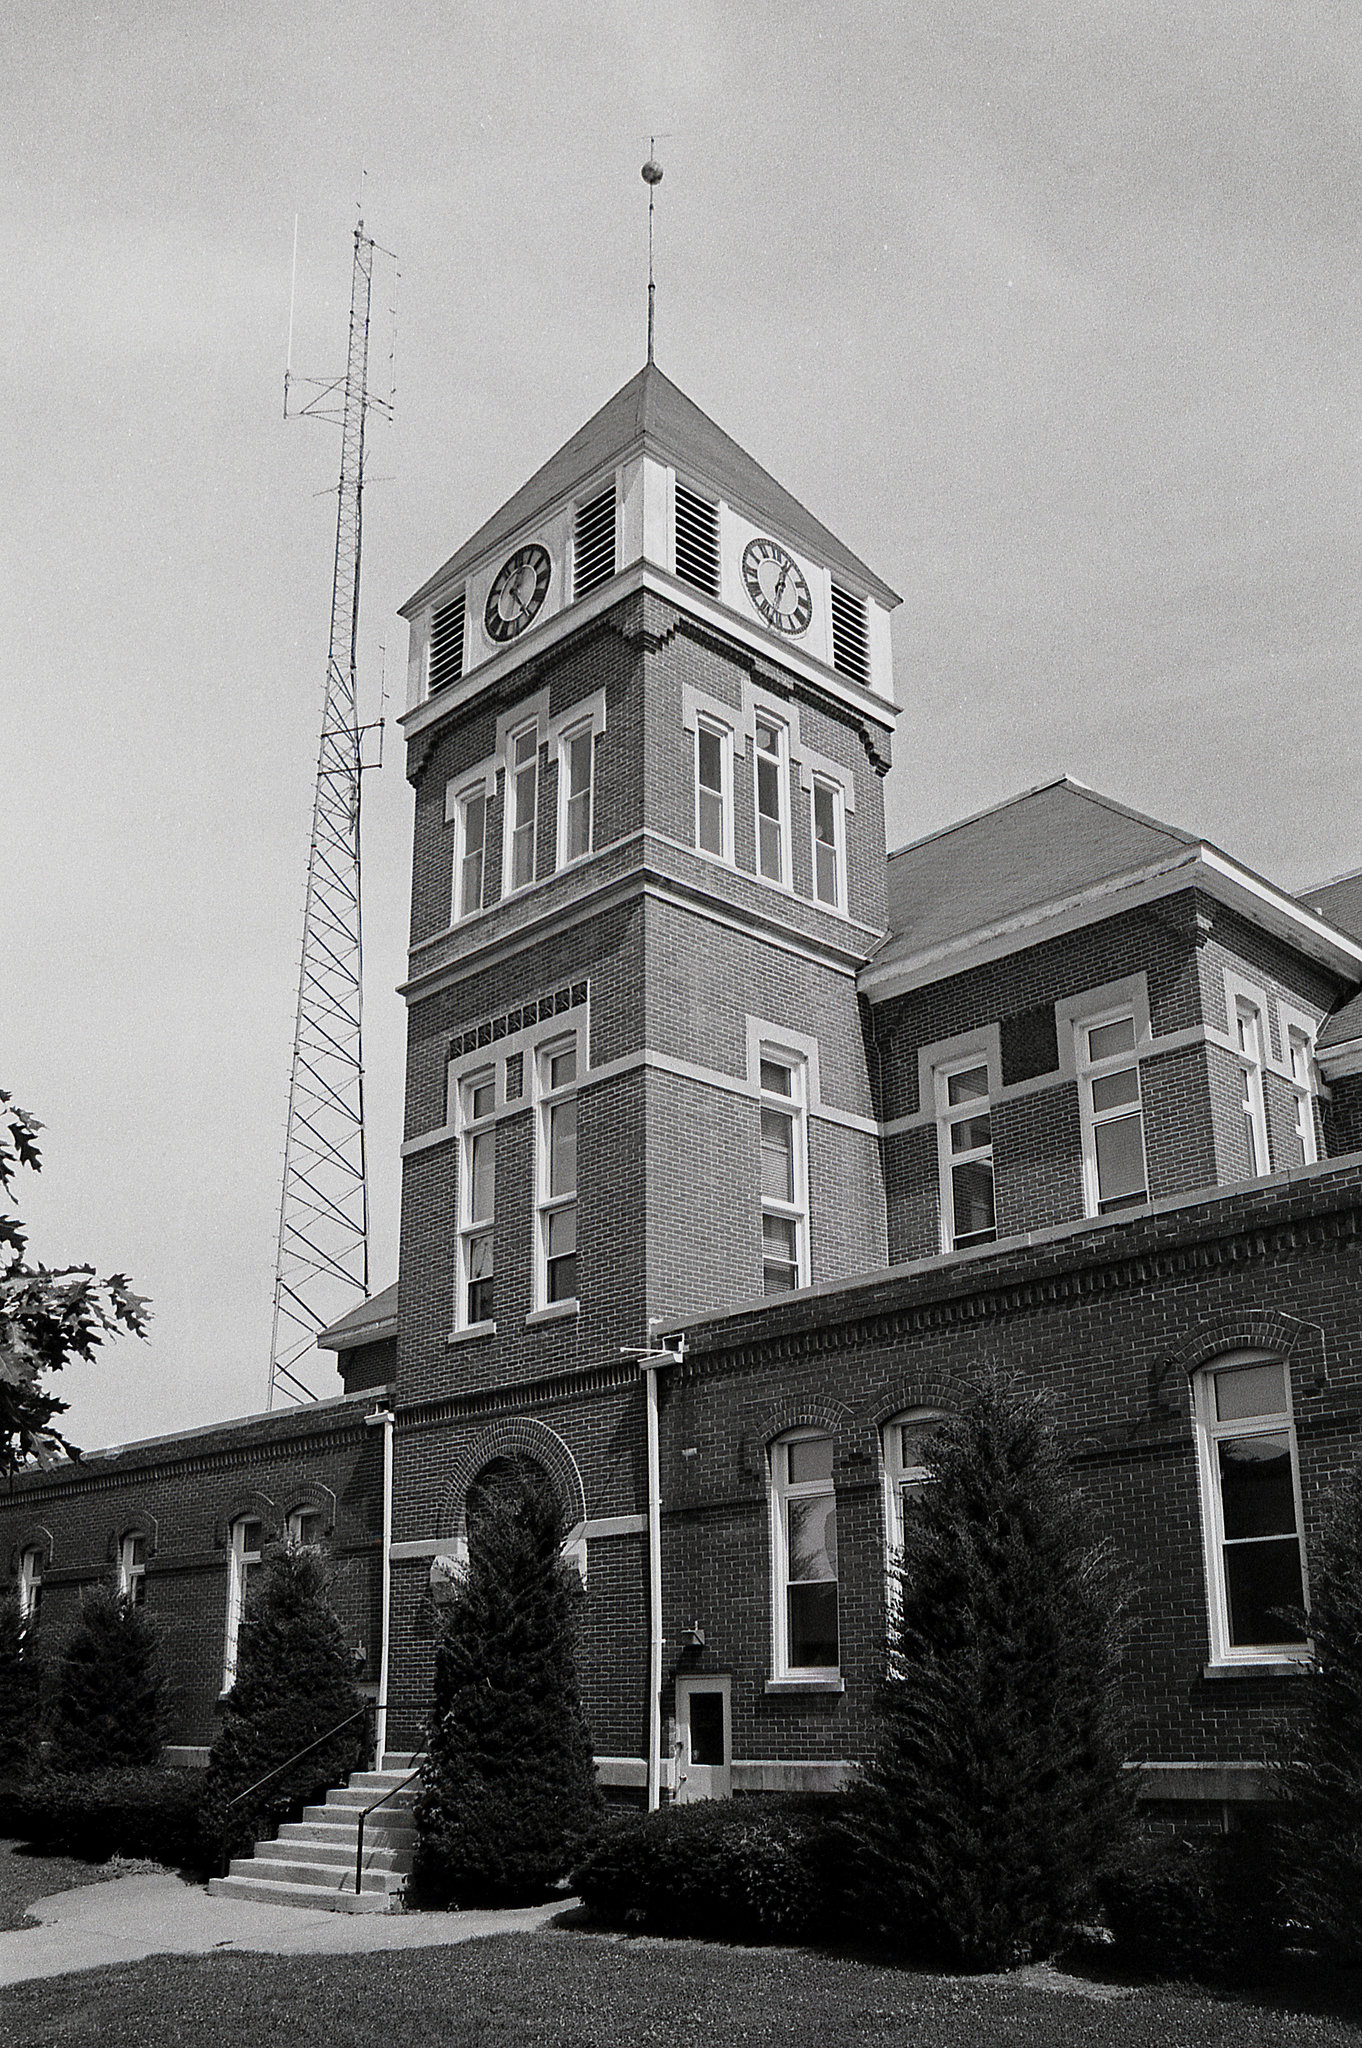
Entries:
{"x":780,"y":584}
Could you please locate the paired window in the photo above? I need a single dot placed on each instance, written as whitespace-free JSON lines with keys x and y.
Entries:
{"x":557,"y":1173}
{"x":1248,"y":1037}
{"x":477,"y":1199}
{"x":1250,"y":1490}
{"x":784,"y":1173}
{"x":773,"y":799}
{"x":714,"y":789}
{"x":829,"y":843}
{"x":246,"y":1543}
{"x":31,"y":1584}
{"x":132,"y":1568}
{"x":522,"y":804}
{"x":964,"y":1129}
{"x":1300,"y":1051}
{"x":1111,"y":1114}
{"x":905,"y":1466}
{"x":804,"y":1548}
{"x":575,"y":752}
{"x":470,"y":849}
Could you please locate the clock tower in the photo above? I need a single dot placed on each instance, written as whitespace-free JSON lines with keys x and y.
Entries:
{"x":650,"y":708}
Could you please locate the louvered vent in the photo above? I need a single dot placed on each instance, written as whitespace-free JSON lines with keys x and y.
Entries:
{"x":697,"y":541}
{"x":850,"y":640}
{"x":446,"y":644}
{"x":593,"y":543}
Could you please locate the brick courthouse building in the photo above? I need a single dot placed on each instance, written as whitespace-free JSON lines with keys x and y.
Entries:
{"x":693,"y":1067}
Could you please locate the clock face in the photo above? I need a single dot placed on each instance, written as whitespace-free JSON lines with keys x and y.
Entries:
{"x":775,"y":583}
{"x":518,"y":589}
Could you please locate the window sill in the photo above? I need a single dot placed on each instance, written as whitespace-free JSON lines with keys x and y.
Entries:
{"x":556,"y":1312}
{"x":1267,"y":1667}
{"x":831,"y":1684}
{"x":471,"y":1331}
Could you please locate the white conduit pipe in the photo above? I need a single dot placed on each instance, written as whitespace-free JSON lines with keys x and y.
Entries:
{"x":386,"y":1418}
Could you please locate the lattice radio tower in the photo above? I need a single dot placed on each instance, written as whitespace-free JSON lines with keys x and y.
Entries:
{"x":323,"y":1260}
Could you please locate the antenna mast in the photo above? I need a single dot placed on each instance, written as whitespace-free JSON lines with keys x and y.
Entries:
{"x":322,"y":1267}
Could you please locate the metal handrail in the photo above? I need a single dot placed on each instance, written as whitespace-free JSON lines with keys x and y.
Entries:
{"x":365,"y":1811}
{"x":360,"y":1715}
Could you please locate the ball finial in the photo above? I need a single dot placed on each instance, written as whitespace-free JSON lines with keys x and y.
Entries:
{"x":652,"y":172}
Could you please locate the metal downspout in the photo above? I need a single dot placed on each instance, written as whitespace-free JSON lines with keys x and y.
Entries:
{"x":387,"y":1418}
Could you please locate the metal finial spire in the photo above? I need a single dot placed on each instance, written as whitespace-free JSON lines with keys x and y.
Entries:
{"x":652,"y":178}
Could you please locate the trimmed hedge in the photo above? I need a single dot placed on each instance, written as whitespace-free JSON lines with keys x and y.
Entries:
{"x":1203,"y":1907}
{"x":142,"y":1811}
{"x":767,"y":1868}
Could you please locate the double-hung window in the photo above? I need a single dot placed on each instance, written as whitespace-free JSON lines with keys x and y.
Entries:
{"x":1111,"y":1114}
{"x":132,"y":1568}
{"x":905,"y":1466}
{"x":714,"y":789}
{"x":557,"y":1071}
{"x":1250,"y":1491}
{"x":477,"y":1199}
{"x":1248,"y":1038}
{"x":306,"y":1526}
{"x":246,"y":1542}
{"x":575,"y":754}
{"x":784,"y":1173}
{"x":829,"y":843}
{"x":522,"y":803}
{"x":964,"y":1128}
{"x":804,"y":1549}
{"x":31,"y":1584}
{"x":470,"y":849}
{"x":1300,"y":1051}
{"x":773,"y":799}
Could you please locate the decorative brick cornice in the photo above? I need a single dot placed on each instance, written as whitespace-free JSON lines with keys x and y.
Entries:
{"x":513,"y":1397}
{"x":256,"y":1443}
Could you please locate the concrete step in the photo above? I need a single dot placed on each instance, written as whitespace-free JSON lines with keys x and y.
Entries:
{"x":342,"y":1834}
{"x":360,"y":1796}
{"x":381,"y":1781}
{"x":377,"y":1855}
{"x":320,"y":1899}
{"x":385,"y":1821}
{"x":327,"y":1877}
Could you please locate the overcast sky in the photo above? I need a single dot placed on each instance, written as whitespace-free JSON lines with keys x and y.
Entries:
{"x":1050,"y":308}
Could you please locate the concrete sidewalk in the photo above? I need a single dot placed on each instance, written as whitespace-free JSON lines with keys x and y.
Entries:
{"x":156,"y":1913}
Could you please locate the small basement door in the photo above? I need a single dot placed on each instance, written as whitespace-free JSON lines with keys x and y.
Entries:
{"x":704,"y":1739}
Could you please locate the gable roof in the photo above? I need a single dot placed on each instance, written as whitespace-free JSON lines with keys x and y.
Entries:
{"x":1054,"y":858}
{"x":649,"y":412}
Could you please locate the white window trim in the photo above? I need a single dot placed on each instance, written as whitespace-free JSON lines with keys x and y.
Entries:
{"x":457,"y":796}
{"x":837,"y":791}
{"x":239,"y":1562}
{"x":515,"y":733}
{"x":31,"y":1564}
{"x":129,"y":1572}
{"x":1294,"y":1026}
{"x":470,"y":1128}
{"x":705,"y":722}
{"x":780,"y":726}
{"x":578,"y":729}
{"x":1208,"y":1432}
{"x":795,"y":1105}
{"x":947,"y":1113}
{"x":546,"y":1205}
{"x":1242,"y":996}
{"x":895,"y":1474}
{"x":297,"y":1519}
{"x":781,"y":1491}
{"x":1086,"y":1071}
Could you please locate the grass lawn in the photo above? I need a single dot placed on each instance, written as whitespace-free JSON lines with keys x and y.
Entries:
{"x":573,"y":1990}
{"x":25,"y":1877}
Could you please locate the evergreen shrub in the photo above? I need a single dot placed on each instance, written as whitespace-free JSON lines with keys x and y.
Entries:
{"x":110,"y":1706}
{"x":1201,"y":1907}
{"x":98,"y":1814}
{"x":509,"y":1794}
{"x":766,"y":1868}
{"x":997,"y":1789}
{"x":295,"y":1682}
{"x":20,"y":1687}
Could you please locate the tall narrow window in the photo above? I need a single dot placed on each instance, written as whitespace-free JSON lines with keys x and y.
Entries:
{"x":1111,"y":1115}
{"x":714,"y":789}
{"x":523,"y":806}
{"x":964,"y":1136}
{"x":445,"y":662}
{"x":31,"y":1584}
{"x":828,"y":843}
{"x":477,"y":1200}
{"x":574,"y":792}
{"x":1248,"y":1032}
{"x":247,"y":1537}
{"x":558,"y":1173}
{"x":905,"y":1466}
{"x":784,"y":1175}
{"x":1301,"y":1051}
{"x":1251,"y":1503}
{"x":772,"y":801}
{"x":593,"y":542}
{"x":804,"y":1545}
{"x":470,"y":850}
{"x":850,"y":639}
{"x":132,"y":1568}
{"x":697,"y":540}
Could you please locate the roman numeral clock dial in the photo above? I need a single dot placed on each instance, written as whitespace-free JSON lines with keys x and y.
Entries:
{"x":775,"y":583}
{"x":518,"y":590}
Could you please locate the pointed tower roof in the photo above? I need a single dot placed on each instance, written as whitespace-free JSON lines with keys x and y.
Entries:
{"x":650,"y":413}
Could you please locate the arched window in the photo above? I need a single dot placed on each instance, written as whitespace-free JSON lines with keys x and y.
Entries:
{"x":247,"y":1538}
{"x":905,"y":1470}
{"x":132,"y":1567}
{"x":31,"y":1584}
{"x":1250,"y":1493}
{"x":804,"y":1555}
{"x":305,"y":1525}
